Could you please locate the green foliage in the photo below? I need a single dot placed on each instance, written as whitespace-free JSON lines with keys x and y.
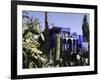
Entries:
{"x":85,"y":29}
{"x":32,"y":56}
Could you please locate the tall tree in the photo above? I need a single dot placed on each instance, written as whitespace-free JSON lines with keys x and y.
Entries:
{"x":45,"y":44}
{"x":85,"y":29}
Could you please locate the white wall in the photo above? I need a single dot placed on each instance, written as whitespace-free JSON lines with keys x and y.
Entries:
{"x":5,"y":29}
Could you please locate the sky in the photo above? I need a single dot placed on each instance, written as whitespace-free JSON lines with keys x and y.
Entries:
{"x":61,"y":19}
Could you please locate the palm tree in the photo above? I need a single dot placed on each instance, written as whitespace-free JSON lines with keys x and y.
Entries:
{"x":32,"y":56}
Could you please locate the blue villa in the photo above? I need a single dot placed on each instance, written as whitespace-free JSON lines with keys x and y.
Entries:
{"x":69,"y":40}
